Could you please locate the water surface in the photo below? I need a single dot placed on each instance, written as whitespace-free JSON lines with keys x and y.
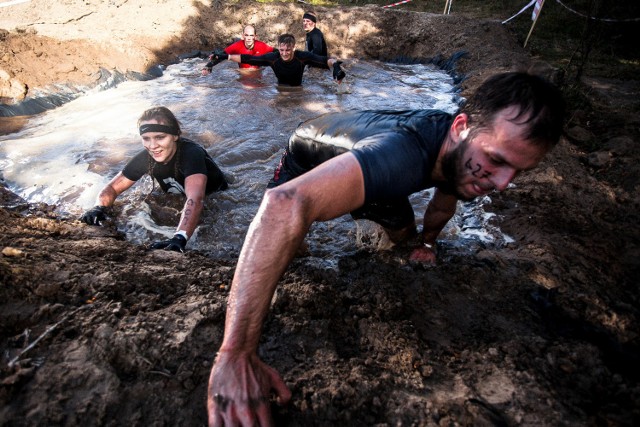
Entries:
{"x":65,"y":156}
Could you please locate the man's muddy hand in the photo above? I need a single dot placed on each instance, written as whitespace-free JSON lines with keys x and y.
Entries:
{"x":239,"y":389}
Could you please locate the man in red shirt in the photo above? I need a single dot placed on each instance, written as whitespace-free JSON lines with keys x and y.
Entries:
{"x":247,"y":45}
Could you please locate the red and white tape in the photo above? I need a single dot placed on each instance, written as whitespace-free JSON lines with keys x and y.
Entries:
{"x":395,"y":4}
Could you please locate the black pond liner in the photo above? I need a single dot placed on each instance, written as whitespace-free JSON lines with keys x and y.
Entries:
{"x":109,"y":79}
{"x":445,"y":64}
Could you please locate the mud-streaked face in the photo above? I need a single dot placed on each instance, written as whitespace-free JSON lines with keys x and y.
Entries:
{"x":491,"y":158}
{"x":308,"y":25}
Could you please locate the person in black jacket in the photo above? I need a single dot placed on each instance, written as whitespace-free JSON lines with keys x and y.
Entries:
{"x":314,"y":39}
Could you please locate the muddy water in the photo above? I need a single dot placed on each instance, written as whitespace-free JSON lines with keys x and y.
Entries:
{"x":65,"y":156}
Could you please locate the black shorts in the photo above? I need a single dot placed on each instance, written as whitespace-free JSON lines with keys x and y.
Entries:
{"x":393,"y":214}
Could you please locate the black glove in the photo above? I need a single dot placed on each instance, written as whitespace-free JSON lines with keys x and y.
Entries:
{"x":95,"y":216}
{"x":176,"y":243}
{"x":338,"y":73}
{"x":217,"y":56}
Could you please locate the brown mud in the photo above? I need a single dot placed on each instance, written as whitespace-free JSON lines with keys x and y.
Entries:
{"x":541,"y":332}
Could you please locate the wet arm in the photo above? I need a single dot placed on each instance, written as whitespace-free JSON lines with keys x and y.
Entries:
{"x":440,"y":210}
{"x":326,"y":63}
{"x":260,"y":60}
{"x":286,"y":213}
{"x":194,"y":186}
{"x":113,"y":189}
{"x":238,"y":378}
{"x":316,"y":60}
{"x":235,"y":58}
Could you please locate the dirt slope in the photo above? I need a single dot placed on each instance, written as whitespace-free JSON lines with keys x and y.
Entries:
{"x":44,"y":43}
{"x":543,"y":332}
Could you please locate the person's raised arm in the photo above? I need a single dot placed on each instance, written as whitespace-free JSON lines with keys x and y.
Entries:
{"x":106,"y":198}
{"x":439,"y":211}
{"x":194,"y":187}
{"x":240,"y":382}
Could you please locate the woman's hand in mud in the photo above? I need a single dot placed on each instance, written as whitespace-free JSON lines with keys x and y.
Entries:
{"x":239,"y":388}
{"x":95,"y":216}
{"x":424,"y":255}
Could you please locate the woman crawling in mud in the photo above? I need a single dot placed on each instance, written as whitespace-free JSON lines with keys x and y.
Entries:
{"x":178,"y":164}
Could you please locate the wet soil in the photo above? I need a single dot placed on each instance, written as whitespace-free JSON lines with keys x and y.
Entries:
{"x":97,"y":331}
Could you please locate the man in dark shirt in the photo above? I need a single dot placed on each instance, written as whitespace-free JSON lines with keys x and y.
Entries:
{"x":342,"y":162}
{"x":287,"y":63}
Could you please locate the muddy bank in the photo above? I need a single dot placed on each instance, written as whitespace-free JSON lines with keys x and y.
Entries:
{"x":541,"y":332}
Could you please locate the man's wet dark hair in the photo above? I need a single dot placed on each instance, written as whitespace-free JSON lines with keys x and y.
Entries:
{"x":287,"y":40}
{"x":539,"y":102}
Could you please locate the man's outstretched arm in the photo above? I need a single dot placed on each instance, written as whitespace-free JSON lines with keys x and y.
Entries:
{"x":106,"y":198}
{"x":439,"y":211}
{"x":240,"y":383}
